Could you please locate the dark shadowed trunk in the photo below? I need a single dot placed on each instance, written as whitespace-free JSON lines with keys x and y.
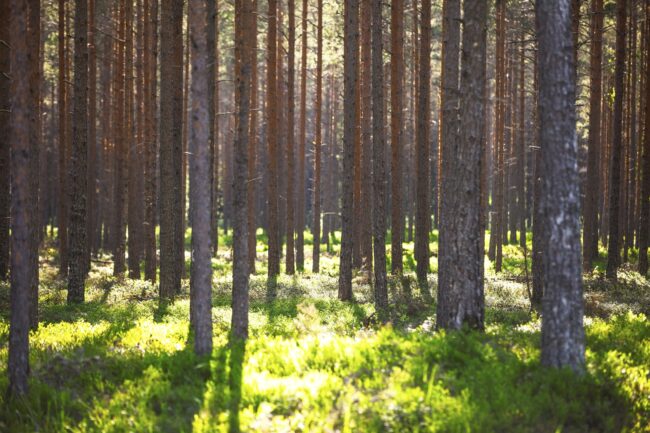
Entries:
{"x":5,"y":144}
{"x":78,"y":158}
{"x":243,"y":53}
{"x":22,"y":217}
{"x":379,"y":163}
{"x":397,"y":129}
{"x":350,"y":77}
{"x":613,"y":246}
{"x":171,"y":107}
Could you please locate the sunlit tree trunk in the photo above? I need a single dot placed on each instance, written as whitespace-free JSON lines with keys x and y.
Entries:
{"x":563,"y":342}
{"x":460,"y":294}
{"x":318,"y":140}
{"x":200,"y":188}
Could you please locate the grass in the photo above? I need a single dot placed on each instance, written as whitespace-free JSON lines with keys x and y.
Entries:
{"x":121,"y":363}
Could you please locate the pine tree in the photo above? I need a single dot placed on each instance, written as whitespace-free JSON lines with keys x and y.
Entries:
{"x":563,"y":342}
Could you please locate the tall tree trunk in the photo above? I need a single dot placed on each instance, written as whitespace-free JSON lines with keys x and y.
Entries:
{"x":318,"y":140}
{"x":150,"y":68}
{"x":563,"y":342}
{"x":119,"y":150}
{"x":397,"y":131}
{"x":365,"y":221}
{"x":350,"y":77}
{"x":460,"y":294}
{"x":78,"y":160}
{"x":62,"y":216}
{"x":290,"y":267}
{"x":499,"y":211}
{"x":200,"y":188}
{"x":252,"y":147}
{"x":613,"y":247}
{"x":300,"y":214}
{"x":134,"y":220}
{"x":644,"y":234}
{"x":272,"y":141}
{"x":5,"y":143}
{"x":379,"y":162}
{"x":215,"y":161}
{"x":22,"y":216}
{"x":422,"y":218}
{"x":93,"y":150}
{"x":171,"y":117}
{"x":243,"y":54}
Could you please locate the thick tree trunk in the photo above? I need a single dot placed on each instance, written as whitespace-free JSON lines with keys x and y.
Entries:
{"x":613,"y":246}
{"x":563,"y":342}
{"x":460,"y":294}
{"x":78,"y":160}
{"x":171,"y":117}
{"x":350,"y":77}
{"x":22,"y":216}
{"x":200,"y":188}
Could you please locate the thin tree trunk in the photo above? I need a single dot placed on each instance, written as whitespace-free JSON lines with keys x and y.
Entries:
{"x":300,"y":214}
{"x":397,"y":130}
{"x":613,"y":247}
{"x":5,"y":143}
{"x":243,"y":54}
{"x":62,"y":217}
{"x":318,"y":140}
{"x":290,"y":266}
{"x":91,"y":220}
{"x":590,"y":214}
{"x":119,"y":183}
{"x":365,"y":220}
{"x":252,"y":147}
{"x":379,"y":162}
{"x":350,"y":75}
{"x":422,"y":218}
{"x":272,"y":142}
{"x":644,"y":234}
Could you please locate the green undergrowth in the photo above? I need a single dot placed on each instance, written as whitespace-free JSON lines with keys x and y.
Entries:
{"x":122,"y":363}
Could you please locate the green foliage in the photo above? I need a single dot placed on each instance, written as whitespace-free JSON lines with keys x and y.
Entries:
{"x":121,"y":362}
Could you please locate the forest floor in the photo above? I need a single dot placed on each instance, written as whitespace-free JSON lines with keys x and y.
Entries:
{"x":121,"y":361}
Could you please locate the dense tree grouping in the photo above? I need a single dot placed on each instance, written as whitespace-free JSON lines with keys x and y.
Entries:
{"x":126,"y":124}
